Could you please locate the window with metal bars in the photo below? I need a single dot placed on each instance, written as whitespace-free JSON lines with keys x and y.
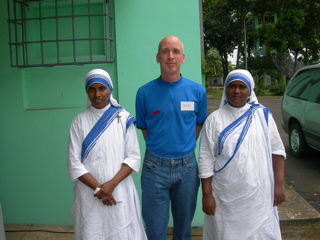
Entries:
{"x":60,"y":32}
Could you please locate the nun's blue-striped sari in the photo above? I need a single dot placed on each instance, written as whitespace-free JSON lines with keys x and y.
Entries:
{"x":238,"y":129}
{"x":104,"y":122}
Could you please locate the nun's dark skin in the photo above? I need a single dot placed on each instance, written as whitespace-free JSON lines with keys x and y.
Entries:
{"x":237,"y":93}
{"x":99,"y":95}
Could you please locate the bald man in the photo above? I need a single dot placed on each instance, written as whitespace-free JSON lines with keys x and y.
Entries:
{"x":170,"y":111}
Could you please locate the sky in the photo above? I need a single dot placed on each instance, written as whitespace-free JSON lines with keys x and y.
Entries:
{"x":233,"y":57}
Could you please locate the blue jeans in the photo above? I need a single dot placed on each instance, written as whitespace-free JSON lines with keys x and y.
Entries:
{"x":166,"y":180}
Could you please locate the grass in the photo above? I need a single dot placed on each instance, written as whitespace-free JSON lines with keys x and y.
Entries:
{"x":291,"y":184}
{"x":214,"y":93}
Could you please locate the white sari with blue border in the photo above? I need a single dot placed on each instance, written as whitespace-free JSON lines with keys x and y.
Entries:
{"x":98,"y":129}
{"x":109,"y":143}
{"x":243,"y":180}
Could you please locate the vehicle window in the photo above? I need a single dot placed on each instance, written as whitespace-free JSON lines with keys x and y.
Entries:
{"x":299,"y":86}
{"x":314,"y":95}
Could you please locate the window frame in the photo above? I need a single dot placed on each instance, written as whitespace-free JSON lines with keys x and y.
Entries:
{"x":22,"y":25}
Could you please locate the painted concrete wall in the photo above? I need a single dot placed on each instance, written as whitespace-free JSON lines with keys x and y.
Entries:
{"x":38,"y":105}
{"x":136,"y":58}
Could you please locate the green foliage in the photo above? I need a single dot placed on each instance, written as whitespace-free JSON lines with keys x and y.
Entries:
{"x":261,"y":65}
{"x":278,"y":26}
{"x":278,"y":88}
{"x":259,"y":86}
{"x":286,"y":32}
{"x":213,"y":62}
{"x":221,"y":29}
{"x":204,"y":66}
{"x":214,"y":93}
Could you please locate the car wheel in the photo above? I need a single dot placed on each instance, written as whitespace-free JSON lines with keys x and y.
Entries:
{"x":297,"y":141}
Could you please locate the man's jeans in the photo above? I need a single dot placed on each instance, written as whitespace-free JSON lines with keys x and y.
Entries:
{"x":165,"y":179}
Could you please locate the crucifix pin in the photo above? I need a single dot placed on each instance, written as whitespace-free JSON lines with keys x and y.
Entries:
{"x":118,"y":116}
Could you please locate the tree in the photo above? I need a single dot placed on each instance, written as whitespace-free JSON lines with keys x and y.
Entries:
{"x":296,"y":31}
{"x":284,"y":34}
{"x":221,"y":30}
{"x":310,"y":33}
{"x":291,"y":28}
{"x":213,"y":62}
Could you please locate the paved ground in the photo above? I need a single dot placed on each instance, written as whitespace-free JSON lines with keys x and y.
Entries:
{"x":66,"y":233}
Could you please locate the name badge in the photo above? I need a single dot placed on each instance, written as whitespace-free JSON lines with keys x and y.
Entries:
{"x":187,"y":106}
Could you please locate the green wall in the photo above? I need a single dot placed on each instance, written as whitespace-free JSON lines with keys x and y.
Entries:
{"x":136,"y":58}
{"x":38,"y":105}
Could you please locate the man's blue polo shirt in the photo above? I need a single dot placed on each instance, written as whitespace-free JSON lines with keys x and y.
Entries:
{"x":170,"y":112}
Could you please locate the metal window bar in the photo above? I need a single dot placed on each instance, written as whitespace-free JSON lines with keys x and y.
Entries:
{"x":19,"y":31}
{"x":57,"y":32}
{"x":109,"y":40}
{"x":23,"y":35}
{"x":73,"y":33}
{"x":90,"y":42}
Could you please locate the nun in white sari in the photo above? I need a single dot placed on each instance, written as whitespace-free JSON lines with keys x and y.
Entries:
{"x":103,"y":152}
{"x":241,"y":166}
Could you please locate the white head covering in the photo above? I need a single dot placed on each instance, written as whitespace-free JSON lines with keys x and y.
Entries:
{"x":100,"y":76}
{"x":239,"y":75}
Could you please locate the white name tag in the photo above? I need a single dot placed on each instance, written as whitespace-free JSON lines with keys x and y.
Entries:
{"x":187,"y":106}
